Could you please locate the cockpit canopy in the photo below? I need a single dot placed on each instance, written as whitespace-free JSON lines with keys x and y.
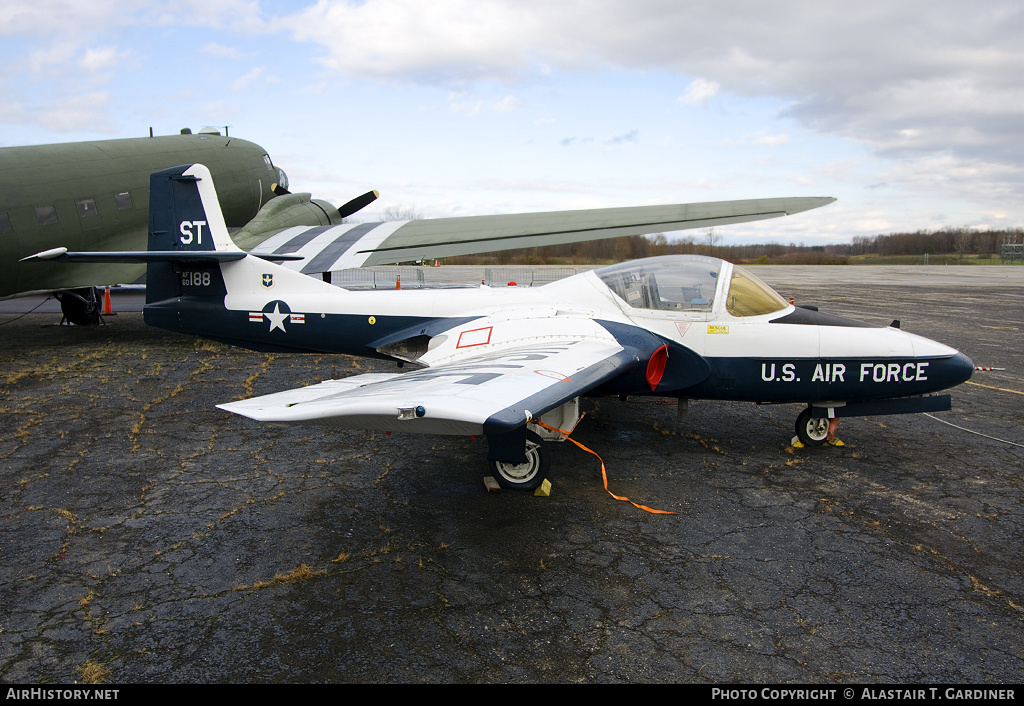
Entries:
{"x":689,"y":283}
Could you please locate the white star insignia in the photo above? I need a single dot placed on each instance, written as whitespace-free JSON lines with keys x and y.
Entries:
{"x":276,"y":318}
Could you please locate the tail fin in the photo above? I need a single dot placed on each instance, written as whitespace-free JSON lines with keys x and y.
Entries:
{"x":184,"y":212}
{"x":185,"y":216}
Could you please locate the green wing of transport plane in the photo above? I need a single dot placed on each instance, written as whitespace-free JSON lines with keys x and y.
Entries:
{"x":327,"y":248}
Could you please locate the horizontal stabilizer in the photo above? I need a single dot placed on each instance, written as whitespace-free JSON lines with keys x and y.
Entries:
{"x":62,"y":255}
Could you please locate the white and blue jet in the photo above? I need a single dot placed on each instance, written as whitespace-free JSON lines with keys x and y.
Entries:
{"x":512,"y":363}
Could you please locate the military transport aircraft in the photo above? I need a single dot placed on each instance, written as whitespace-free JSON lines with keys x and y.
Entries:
{"x":95,"y":196}
{"x":500,"y":362}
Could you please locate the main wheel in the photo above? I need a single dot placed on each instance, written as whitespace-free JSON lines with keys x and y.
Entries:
{"x":524,"y":476}
{"x":811,"y":431}
{"x":80,"y":306}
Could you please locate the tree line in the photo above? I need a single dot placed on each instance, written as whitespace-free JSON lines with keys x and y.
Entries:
{"x":948,"y":241}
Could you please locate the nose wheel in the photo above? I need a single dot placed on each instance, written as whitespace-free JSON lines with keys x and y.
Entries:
{"x":811,"y":431}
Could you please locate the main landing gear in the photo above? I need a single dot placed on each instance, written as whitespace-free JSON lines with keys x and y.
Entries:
{"x":81,"y":306}
{"x":531,"y":474}
{"x":524,"y":476}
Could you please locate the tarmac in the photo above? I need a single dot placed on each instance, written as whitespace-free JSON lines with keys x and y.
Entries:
{"x":152,"y":538}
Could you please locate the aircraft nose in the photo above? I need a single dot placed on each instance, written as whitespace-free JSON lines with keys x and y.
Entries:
{"x":951,"y":371}
{"x":961,"y":368}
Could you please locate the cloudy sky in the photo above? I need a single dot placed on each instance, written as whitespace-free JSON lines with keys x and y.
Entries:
{"x":911,"y":113}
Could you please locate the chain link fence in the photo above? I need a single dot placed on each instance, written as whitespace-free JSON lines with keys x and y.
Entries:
{"x":450,"y":275}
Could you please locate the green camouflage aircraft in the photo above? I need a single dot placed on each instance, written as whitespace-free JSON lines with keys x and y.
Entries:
{"x":96,"y":195}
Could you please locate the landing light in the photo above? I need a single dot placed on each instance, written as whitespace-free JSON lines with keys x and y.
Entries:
{"x":411,"y":412}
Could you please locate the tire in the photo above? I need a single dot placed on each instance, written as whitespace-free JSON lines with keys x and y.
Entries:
{"x":811,"y":431}
{"x":524,"y":476}
{"x":80,"y":306}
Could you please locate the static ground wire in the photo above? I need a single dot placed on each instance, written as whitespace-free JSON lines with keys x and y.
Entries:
{"x":971,"y":431}
{"x":2,"y":323}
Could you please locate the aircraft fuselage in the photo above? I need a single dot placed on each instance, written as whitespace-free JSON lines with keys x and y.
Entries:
{"x":790,"y":355}
{"x":95,"y":196}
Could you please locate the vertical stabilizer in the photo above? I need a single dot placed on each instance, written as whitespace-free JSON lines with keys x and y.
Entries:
{"x":184,"y":216}
{"x":184,"y":212}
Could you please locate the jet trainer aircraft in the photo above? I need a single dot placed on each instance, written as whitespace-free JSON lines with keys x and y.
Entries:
{"x":500,"y":362}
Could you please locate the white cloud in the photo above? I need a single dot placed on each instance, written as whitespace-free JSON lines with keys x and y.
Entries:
{"x":49,"y":18}
{"x":506,"y":105}
{"x":100,"y":59}
{"x":948,"y":69}
{"x":220,"y":50}
{"x":699,"y":92}
{"x":406,"y":42}
{"x":84,"y":112}
{"x":51,"y":59}
{"x":477,"y":107}
{"x":771,"y":140}
{"x":255,"y":76}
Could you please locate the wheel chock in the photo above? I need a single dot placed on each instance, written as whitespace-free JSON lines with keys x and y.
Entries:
{"x":543,"y":490}
{"x":836,"y":442}
{"x":491,"y":484}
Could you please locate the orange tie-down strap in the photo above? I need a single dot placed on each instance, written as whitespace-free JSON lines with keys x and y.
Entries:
{"x":604,"y":474}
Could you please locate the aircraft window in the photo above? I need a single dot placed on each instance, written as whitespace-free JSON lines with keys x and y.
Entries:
{"x":749,"y":296}
{"x":86,"y":208}
{"x":673,"y":283}
{"x":123,"y":201}
{"x":266,"y":159}
{"x":46,"y":215}
{"x":5,"y":223}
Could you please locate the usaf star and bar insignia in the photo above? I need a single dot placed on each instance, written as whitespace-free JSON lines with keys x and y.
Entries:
{"x":277,"y":317}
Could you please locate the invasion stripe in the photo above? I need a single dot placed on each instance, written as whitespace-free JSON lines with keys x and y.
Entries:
{"x":336,"y":248}
{"x":304,"y":237}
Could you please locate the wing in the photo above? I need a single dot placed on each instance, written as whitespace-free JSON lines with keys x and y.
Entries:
{"x":486,"y":394}
{"x":338,"y":247}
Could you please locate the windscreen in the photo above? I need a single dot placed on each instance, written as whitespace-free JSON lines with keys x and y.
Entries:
{"x":749,"y":296}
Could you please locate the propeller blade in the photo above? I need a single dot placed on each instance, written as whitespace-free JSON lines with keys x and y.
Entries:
{"x":279,"y":190}
{"x":358,"y":203}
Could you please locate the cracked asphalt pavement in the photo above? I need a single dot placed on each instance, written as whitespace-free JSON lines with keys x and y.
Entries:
{"x":150,"y":537}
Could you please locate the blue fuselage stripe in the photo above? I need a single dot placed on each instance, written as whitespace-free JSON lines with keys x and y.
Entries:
{"x":804,"y":379}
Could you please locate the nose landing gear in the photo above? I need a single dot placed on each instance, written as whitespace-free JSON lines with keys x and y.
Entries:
{"x":810,"y":430}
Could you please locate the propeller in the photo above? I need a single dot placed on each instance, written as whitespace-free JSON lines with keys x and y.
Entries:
{"x":279,"y":190}
{"x":358,"y":203}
